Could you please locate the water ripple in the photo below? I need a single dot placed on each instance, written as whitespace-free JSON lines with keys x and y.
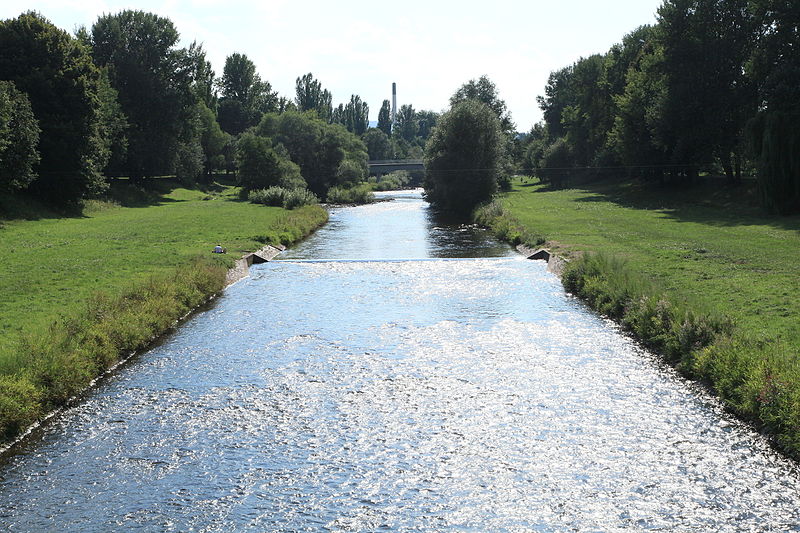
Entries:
{"x":404,"y":396}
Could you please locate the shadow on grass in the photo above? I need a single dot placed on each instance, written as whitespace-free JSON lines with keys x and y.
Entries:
{"x":710,"y":202}
{"x":144,"y":193}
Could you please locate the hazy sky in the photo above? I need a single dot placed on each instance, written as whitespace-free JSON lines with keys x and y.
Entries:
{"x":429,"y":48}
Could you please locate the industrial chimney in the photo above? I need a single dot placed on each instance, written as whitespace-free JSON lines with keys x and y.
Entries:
{"x":394,"y":104}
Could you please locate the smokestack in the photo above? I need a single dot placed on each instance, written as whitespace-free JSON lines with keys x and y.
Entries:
{"x":394,"y":104}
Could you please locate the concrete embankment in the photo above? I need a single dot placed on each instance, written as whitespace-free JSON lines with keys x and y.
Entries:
{"x":555,"y":264}
{"x":242,"y":266}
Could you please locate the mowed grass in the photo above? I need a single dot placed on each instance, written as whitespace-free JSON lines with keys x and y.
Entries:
{"x":699,"y":275}
{"x":708,"y":245}
{"x":50,"y":267}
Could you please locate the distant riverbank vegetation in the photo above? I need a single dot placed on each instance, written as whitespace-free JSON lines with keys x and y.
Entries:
{"x":121,"y":99}
{"x":712,"y":89}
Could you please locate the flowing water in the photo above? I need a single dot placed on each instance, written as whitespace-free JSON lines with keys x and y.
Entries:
{"x":396,"y":373}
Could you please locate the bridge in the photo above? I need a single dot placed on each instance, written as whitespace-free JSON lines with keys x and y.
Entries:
{"x":385,"y":166}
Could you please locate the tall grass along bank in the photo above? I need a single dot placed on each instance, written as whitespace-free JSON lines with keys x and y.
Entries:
{"x":711,"y":289}
{"x":81,"y":293}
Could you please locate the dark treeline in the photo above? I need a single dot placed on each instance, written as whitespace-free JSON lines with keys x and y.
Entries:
{"x":713,"y":87}
{"x":122,"y":99}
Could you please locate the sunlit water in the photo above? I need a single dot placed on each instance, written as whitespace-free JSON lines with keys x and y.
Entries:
{"x":411,"y":394}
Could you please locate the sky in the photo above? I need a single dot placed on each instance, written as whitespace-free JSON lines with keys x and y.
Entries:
{"x":428,"y":47}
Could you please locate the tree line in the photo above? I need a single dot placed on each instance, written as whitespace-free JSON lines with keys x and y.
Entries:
{"x":122,"y":99}
{"x":711,"y":87}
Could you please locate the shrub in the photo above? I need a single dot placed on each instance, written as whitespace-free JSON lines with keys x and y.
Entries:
{"x":298,"y":198}
{"x":280,"y":197}
{"x":557,"y":161}
{"x":20,"y":405}
{"x":504,"y":225}
{"x":273,"y":196}
{"x":361,"y":194}
{"x":393,"y":181}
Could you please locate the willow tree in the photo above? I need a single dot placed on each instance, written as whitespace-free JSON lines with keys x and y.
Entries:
{"x":463,"y":157}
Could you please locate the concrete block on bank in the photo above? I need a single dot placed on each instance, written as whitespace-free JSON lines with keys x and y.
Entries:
{"x":540,"y":254}
{"x":555,"y":264}
{"x":263,"y":255}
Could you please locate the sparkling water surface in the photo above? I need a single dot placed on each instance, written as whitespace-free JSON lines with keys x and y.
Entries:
{"x":396,"y":372}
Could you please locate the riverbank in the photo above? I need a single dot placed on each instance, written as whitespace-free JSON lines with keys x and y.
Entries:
{"x":83,"y":291}
{"x":700,"y":276}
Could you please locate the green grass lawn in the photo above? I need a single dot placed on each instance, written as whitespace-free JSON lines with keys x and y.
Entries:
{"x":709,"y":245}
{"x":701,"y":275}
{"x":50,"y":266}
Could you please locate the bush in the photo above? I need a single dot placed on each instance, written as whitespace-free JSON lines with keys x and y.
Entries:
{"x":399,"y":179}
{"x":557,"y":163}
{"x":274,"y":196}
{"x":298,"y":198}
{"x":504,"y":225}
{"x":361,"y":194}
{"x":280,"y":197}
{"x":674,"y":329}
{"x":350,"y":172}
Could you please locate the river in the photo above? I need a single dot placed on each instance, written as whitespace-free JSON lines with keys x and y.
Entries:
{"x":396,"y":373}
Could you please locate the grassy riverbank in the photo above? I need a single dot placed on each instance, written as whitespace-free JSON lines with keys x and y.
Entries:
{"x":80,"y":291}
{"x":701,"y":275}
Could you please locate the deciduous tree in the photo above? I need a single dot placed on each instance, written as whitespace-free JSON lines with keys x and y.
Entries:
{"x":385,"y":118}
{"x":19,"y":138}
{"x":154,"y":82}
{"x":310,"y":96}
{"x":463,"y":156}
{"x":61,"y":82}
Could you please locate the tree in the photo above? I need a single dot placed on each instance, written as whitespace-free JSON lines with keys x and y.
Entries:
{"x":245,"y":97}
{"x":708,"y":98}
{"x":378,"y":144}
{"x":316,"y":146}
{"x":462,"y":157}
{"x":19,"y":137}
{"x":154,"y":82}
{"x":426,"y":121}
{"x":385,"y":118}
{"x":638,"y":113}
{"x":202,"y":75}
{"x":56,"y":73}
{"x":354,"y":115}
{"x":212,"y":140}
{"x":310,"y":96}
{"x":484,"y":90}
{"x":261,"y":166}
{"x":114,"y":124}
{"x":406,"y":127}
{"x":775,"y":131}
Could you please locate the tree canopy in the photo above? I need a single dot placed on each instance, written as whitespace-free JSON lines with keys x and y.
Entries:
{"x":244,"y":96}
{"x":310,"y":96}
{"x":154,"y":82}
{"x":19,"y":139}
{"x":463,"y":156}
{"x":56,"y":73}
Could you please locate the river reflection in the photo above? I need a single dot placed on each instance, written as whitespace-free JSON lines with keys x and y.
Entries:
{"x":324,"y":393}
